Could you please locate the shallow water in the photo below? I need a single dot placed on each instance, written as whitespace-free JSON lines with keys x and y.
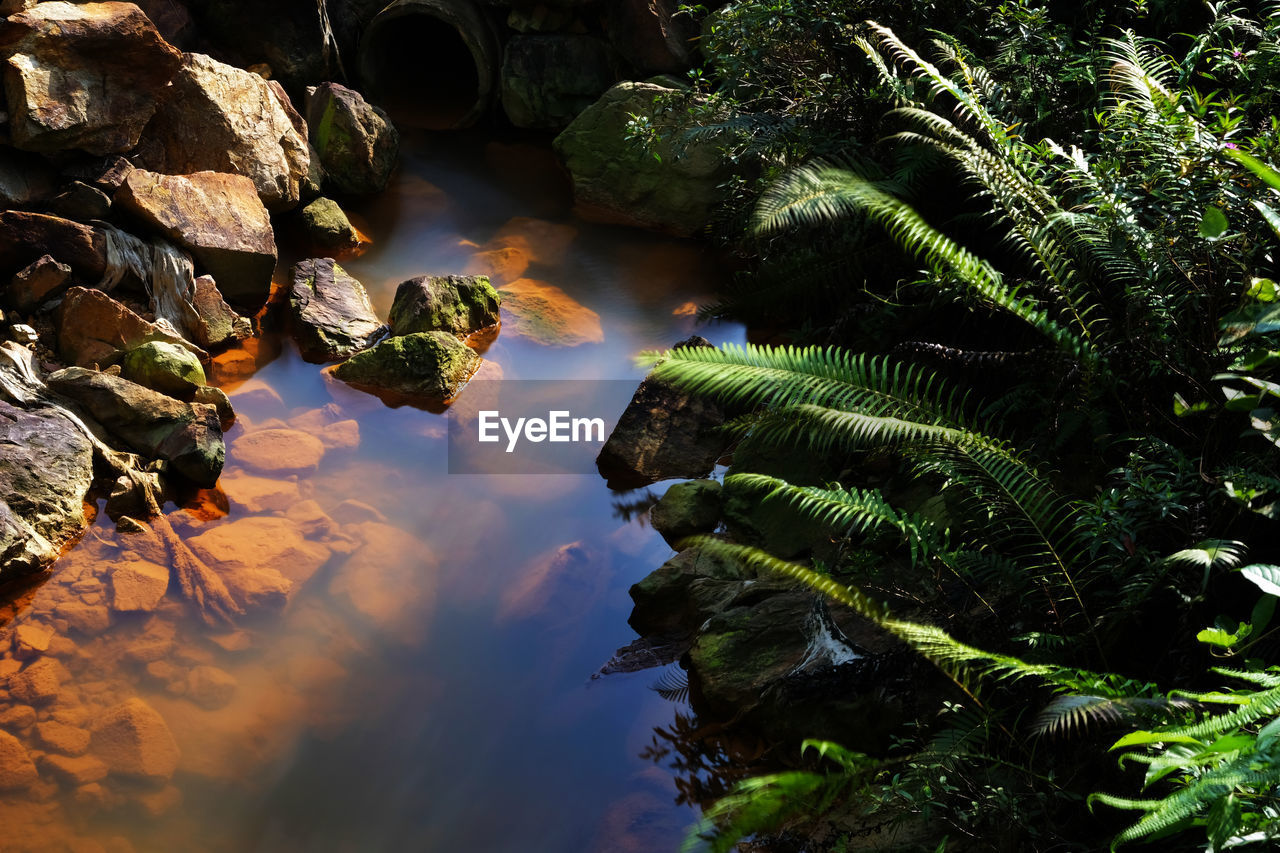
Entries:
{"x":427,"y":685}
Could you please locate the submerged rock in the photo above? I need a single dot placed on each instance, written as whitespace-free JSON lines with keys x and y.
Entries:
{"x":260,"y":558}
{"x":217,"y":216}
{"x":547,"y":315}
{"x":17,"y":770}
{"x":278,"y":451}
{"x":331,"y":313}
{"x":219,"y":118}
{"x":328,"y":227}
{"x":356,"y":141}
{"x":164,"y":367}
{"x":133,"y":740}
{"x":686,"y":509}
{"x":425,"y":365}
{"x":460,"y":304}
{"x":83,"y":75}
{"x":210,"y":687}
{"x":94,"y":329}
{"x":138,"y":586}
{"x":187,"y":435}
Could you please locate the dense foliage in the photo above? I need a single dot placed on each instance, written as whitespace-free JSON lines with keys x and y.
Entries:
{"x":1073,"y":344}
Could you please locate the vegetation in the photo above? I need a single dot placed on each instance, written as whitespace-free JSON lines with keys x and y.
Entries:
{"x":1092,"y":196}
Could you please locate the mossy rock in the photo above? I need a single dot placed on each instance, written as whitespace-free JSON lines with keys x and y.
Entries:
{"x":327,"y":226}
{"x":427,"y":365}
{"x":459,"y":304}
{"x":164,"y":367}
{"x":770,"y":524}
{"x":685,"y":591}
{"x":687,"y":508}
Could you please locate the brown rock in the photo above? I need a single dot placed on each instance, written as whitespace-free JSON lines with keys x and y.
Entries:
{"x":59,"y":737}
{"x":352,"y":511}
{"x":138,"y":586}
{"x":88,"y":619}
{"x":159,"y":803}
{"x":218,"y":118}
{"x":219,"y":325}
{"x":83,"y":75}
{"x":42,"y":280}
{"x":278,"y":451}
{"x":356,"y":143}
{"x":31,"y":641}
{"x":331,"y":315}
{"x":209,"y":687}
{"x":26,"y":237}
{"x":221,"y":403}
{"x":391,"y":592}
{"x":134,"y":741}
{"x":76,"y":770}
{"x":547,"y":315}
{"x":17,"y":771}
{"x":18,"y":718}
{"x":219,"y":217}
{"x":8,"y":667}
{"x":94,"y":329}
{"x":260,"y":558}
{"x":503,"y":266}
{"x":39,"y":683}
{"x":260,"y":494}
{"x":24,"y":178}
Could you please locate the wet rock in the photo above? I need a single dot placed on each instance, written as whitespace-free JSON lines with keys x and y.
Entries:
{"x":260,"y":494}
{"x":80,"y":202}
{"x":616,"y":181}
{"x":649,"y":34}
{"x":219,"y":325}
{"x":209,"y":687}
{"x":83,"y":75}
{"x":686,"y":509}
{"x":81,"y":770}
{"x":278,"y":451}
{"x":328,"y":227}
{"x":24,"y":178}
{"x":663,"y":434}
{"x":187,"y":435}
{"x":156,"y":804}
{"x":538,"y":240}
{"x":424,"y":365}
{"x":459,"y":304}
{"x":17,"y":771}
{"x":547,"y":315}
{"x":19,"y":718}
{"x":39,"y":683}
{"x":566,"y":579}
{"x":332,"y":316}
{"x":25,"y":237}
{"x":356,"y":142}
{"x":682,"y":593}
{"x":260,"y":558}
{"x":42,"y":281}
{"x":163,"y":367}
{"x":45,"y":472}
{"x":312,"y":520}
{"x":548,"y":79}
{"x":391,"y":593}
{"x":218,"y":118}
{"x":31,"y":640}
{"x":219,"y":217}
{"x":138,"y":586}
{"x":217,"y":398}
{"x":94,"y":329}
{"x":352,"y":511}
{"x":88,"y":619}
{"x":62,"y":738}
{"x":503,"y":265}
{"x":133,"y":740}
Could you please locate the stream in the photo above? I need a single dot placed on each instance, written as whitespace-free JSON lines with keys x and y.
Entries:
{"x":421,"y":678}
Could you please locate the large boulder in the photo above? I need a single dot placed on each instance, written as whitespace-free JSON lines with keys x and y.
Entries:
{"x":219,"y":217}
{"x":617,"y":181}
{"x":548,"y":79}
{"x":428,"y":366}
{"x":83,"y":75}
{"x":94,"y":329}
{"x":356,"y":141}
{"x":187,"y":435}
{"x":219,"y":118}
{"x":45,"y":472}
{"x":460,"y":304}
{"x":331,"y":312}
{"x":26,"y":237}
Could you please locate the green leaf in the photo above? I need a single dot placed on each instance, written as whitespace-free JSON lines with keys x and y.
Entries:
{"x":1273,"y":218}
{"x":1268,"y":175}
{"x":1264,"y":577}
{"x":1141,"y":738}
{"x":1262,"y":290}
{"x":1183,"y":409}
{"x":1217,"y":637}
{"x":1213,"y":224}
{"x":1258,"y":319}
{"x":1225,"y":820}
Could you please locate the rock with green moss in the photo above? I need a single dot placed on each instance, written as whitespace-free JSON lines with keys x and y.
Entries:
{"x":164,"y":367}
{"x":328,"y":227}
{"x":685,"y":591}
{"x":330,"y":311}
{"x":686,"y":509}
{"x":356,"y":142}
{"x":428,"y":366}
{"x":459,"y":304}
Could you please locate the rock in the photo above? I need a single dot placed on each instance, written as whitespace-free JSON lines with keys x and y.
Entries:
{"x":31,"y":640}
{"x":686,"y":509}
{"x":80,"y":202}
{"x":138,"y":586}
{"x":59,"y":737}
{"x":187,"y":435}
{"x":156,"y":804}
{"x":649,"y":34}
{"x":357,"y":143}
{"x":548,"y":79}
{"x":332,"y":316}
{"x":260,"y":494}
{"x":209,"y":687}
{"x":663,"y":434}
{"x":502,"y":265}
{"x":39,"y":683}
{"x":42,"y":281}
{"x":94,"y":329}
{"x":18,"y":718}
{"x":448,"y":303}
{"x":547,"y":315}
{"x":26,"y":237}
{"x":88,"y":619}
{"x":8,"y":666}
{"x":83,"y":75}
{"x":219,"y":118}
{"x":682,"y":593}
{"x":538,"y":240}
{"x":352,"y":511}
{"x":614,"y":180}
{"x":163,"y":367}
{"x":103,"y":173}
{"x":134,"y":741}
{"x":328,"y":227}
{"x":219,"y":325}
{"x":17,"y":771}
{"x":24,"y":178}
{"x":278,"y":451}
{"x":46,"y":470}
{"x":260,"y":558}
{"x":218,"y":217}
{"x":77,"y":771}
{"x":386,"y":590}
{"x":425,"y":365}
{"x":217,"y":398}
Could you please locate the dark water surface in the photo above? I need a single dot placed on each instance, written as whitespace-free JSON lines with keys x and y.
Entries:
{"x":427,"y":685}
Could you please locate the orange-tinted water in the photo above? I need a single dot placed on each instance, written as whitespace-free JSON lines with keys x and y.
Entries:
{"x":414,"y":673}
